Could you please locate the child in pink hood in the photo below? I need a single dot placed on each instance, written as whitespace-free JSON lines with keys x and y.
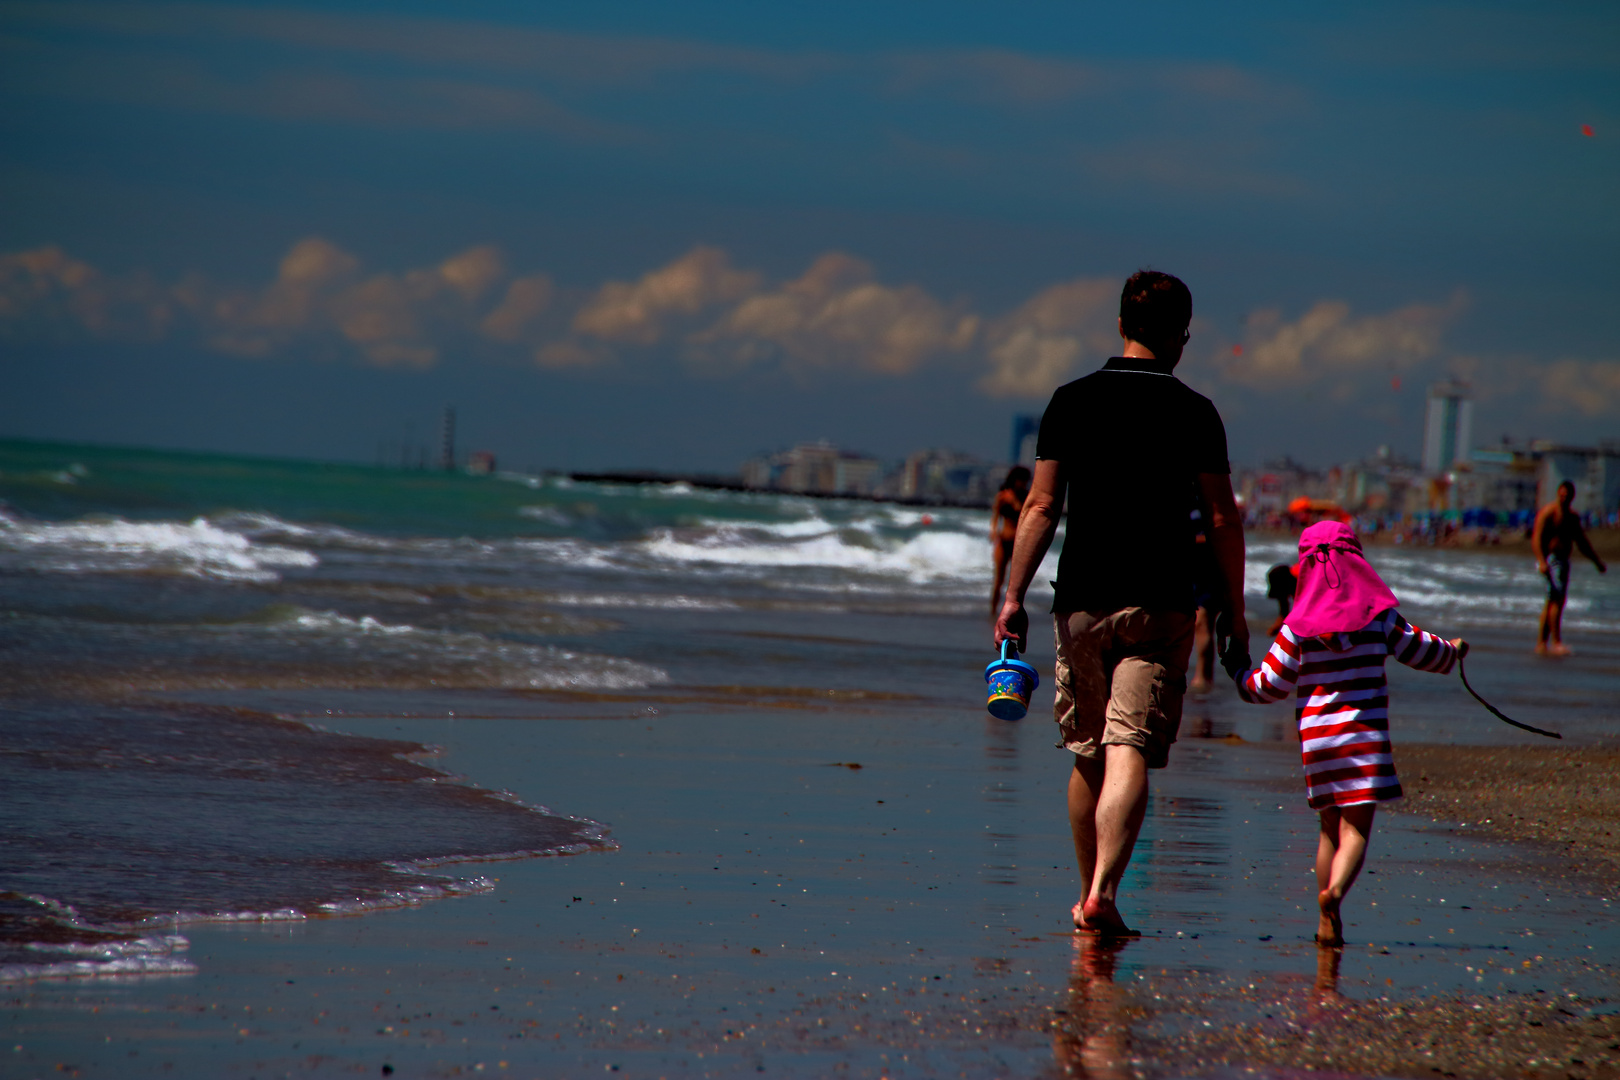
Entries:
{"x":1331,"y":651}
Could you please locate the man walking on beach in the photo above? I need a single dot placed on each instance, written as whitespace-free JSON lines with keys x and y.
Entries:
{"x":1134,"y":449}
{"x":1557,"y":533}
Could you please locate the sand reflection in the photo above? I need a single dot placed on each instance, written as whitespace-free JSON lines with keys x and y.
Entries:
{"x":1093,"y":1040}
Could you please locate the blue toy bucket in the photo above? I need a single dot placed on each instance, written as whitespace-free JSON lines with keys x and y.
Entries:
{"x":1011,"y":682}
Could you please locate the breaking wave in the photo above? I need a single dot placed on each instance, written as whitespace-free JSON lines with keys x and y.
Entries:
{"x":199,"y":548}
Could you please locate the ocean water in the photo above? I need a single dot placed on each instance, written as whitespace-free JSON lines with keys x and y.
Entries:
{"x":190,"y":638}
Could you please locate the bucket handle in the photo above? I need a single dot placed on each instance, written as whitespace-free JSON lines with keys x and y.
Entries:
{"x":1007,"y":643}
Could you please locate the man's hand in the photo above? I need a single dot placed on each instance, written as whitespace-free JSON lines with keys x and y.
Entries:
{"x":1541,"y":566}
{"x":1013,"y":623}
{"x":1233,"y":650}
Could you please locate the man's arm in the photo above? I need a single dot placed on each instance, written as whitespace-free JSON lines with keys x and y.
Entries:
{"x":1037,"y":525}
{"x":1538,"y":537}
{"x":1585,"y":544}
{"x":1226,"y":538}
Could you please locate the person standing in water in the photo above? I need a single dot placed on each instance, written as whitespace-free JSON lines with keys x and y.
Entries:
{"x":1557,"y":534}
{"x":1004,"y":511}
{"x":1134,"y":449}
{"x":1330,"y":653}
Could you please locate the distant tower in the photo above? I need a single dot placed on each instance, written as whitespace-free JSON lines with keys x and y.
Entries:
{"x":1447,"y":427}
{"x":1026,"y":427}
{"x":447,"y":452}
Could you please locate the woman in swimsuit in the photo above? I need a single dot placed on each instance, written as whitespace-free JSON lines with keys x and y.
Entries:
{"x":1004,"y":511}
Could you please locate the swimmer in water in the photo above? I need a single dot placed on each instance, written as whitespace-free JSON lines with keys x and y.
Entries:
{"x":1004,"y":511}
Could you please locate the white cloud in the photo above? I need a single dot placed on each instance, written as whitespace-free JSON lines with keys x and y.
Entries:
{"x":1590,"y":387}
{"x":835,"y":316}
{"x":1329,"y":341}
{"x":526,"y":300}
{"x":46,"y":293}
{"x":1044,"y":343}
{"x":642,"y":312}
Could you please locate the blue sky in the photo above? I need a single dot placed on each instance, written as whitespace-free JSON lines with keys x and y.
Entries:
{"x":672,"y":235}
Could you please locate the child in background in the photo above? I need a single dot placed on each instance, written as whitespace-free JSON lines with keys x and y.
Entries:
{"x":1342,"y":627}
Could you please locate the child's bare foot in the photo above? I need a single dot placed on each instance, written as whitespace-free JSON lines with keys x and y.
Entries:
{"x":1078,"y":912}
{"x":1541,"y":648}
{"x":1102,"y":917}
{"x":1330,"y":927}
{"x":1558,"y":648}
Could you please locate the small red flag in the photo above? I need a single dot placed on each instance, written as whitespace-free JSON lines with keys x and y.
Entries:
{"x":1586,"y":129}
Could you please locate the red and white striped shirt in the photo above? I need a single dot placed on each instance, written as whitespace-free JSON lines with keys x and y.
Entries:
{"x":1343,"y":708}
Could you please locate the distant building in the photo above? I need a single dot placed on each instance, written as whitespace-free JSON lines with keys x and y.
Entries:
{"x":1501,"y":481}
{"x":447,"y":439}
{"x":949,"y":475}
{"x":818,"y":468}
{"x":1595,"y":472}
{"x":1447,"y":427}
{"x":481,"y":463}
{"x":1026,"y":427}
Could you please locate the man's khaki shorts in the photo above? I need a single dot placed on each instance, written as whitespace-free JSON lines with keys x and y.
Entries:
{"x":1120,"y":679}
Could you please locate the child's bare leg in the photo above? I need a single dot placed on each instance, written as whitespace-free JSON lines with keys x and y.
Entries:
{"x":1346,"y":852}
{"x":1327,"y":846}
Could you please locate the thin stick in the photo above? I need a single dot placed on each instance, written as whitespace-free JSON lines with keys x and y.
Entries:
{"x":1497,"y":712}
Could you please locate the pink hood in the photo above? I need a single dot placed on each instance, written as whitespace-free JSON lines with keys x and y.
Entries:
{"x":1338,"y":590}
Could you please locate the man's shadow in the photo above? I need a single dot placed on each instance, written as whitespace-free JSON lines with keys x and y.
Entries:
{"x":1094,"y":1038}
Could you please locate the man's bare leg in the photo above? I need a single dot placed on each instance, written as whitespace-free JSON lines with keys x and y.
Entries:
{"x":1085,"y":786}
{"x":1341,"y":849}
{"x":1555,"y":617}
{"x":1120,"y":809}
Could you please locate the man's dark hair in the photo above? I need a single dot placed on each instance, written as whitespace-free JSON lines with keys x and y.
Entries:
{"x":1155,"y":309}
{"x":1568,"y":484}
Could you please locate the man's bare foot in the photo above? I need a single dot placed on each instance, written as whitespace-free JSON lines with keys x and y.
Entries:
{"x":1541,"y":648}
{"x":1102,"y":917}
{"x":1199,"y":688}
{"x":1330,"y":927}
{"x":1558,"y":648}
{"x":1078,"y":912}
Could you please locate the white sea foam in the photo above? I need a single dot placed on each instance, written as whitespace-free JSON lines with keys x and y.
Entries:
{"x":546,"y":515}
{"x":388,"y":651}
{"x":641,"y":601}
{"x":920,"y":559}
{"x":199,"y":548}
{"x":80,"y":960}
{"x":331,"y":620}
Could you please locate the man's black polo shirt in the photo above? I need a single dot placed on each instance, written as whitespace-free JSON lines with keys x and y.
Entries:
{"x":1132,"y":442}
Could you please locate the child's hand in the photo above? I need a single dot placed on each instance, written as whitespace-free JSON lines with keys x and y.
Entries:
{"x":1461,"y":646}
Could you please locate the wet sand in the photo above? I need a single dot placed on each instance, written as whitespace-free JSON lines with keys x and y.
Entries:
{"x":774,"y":909}
{"x":1425,"y":1037}
{"x":1566,"y":801}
